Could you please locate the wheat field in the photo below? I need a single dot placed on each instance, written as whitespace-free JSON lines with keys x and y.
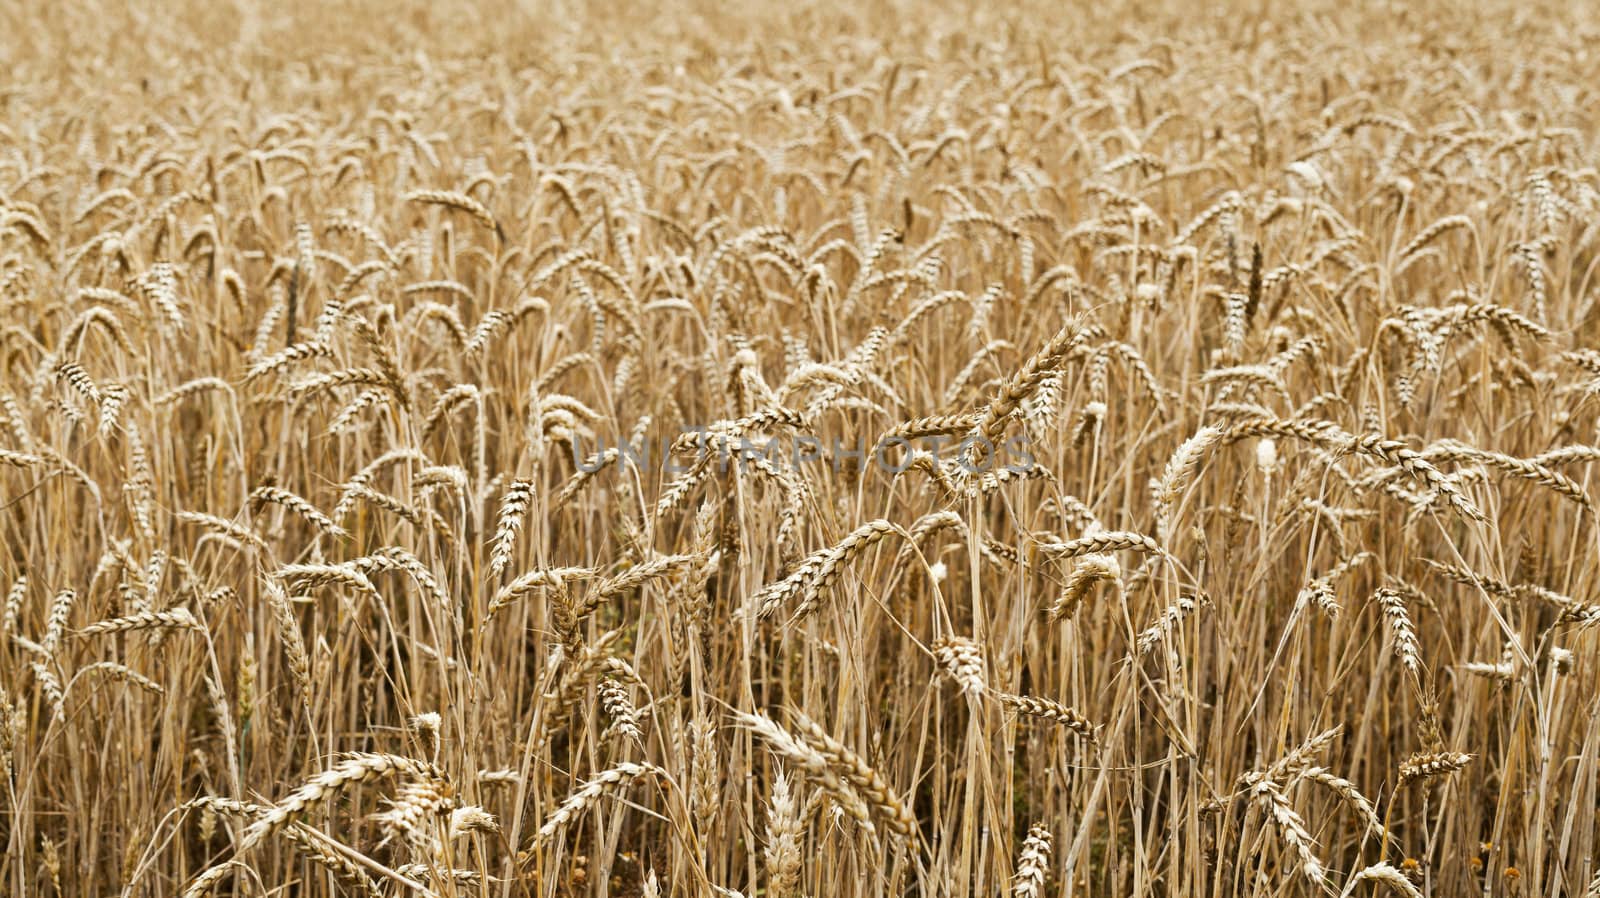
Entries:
{"x":799,"y":449}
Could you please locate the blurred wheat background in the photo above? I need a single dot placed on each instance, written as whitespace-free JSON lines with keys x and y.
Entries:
{"x":316,"y":582}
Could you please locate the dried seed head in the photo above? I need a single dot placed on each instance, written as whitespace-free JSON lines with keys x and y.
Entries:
{"x":962,"y":660}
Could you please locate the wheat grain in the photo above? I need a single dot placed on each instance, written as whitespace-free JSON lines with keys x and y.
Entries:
{"x":1055,"y":712}
{"x":1427,"y":765}
{"x":590,"y":793}
{"x":1293,"y":830}
{"x":1386,"y":874}
{"x":170,"y":619}
{"x":356,"y":768}
{"x":1405,"y":634}
{"x":1032,"y":863}
{"x":785,"y":834}
{"x":814,"y":762}
{"x":861,"y":777}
